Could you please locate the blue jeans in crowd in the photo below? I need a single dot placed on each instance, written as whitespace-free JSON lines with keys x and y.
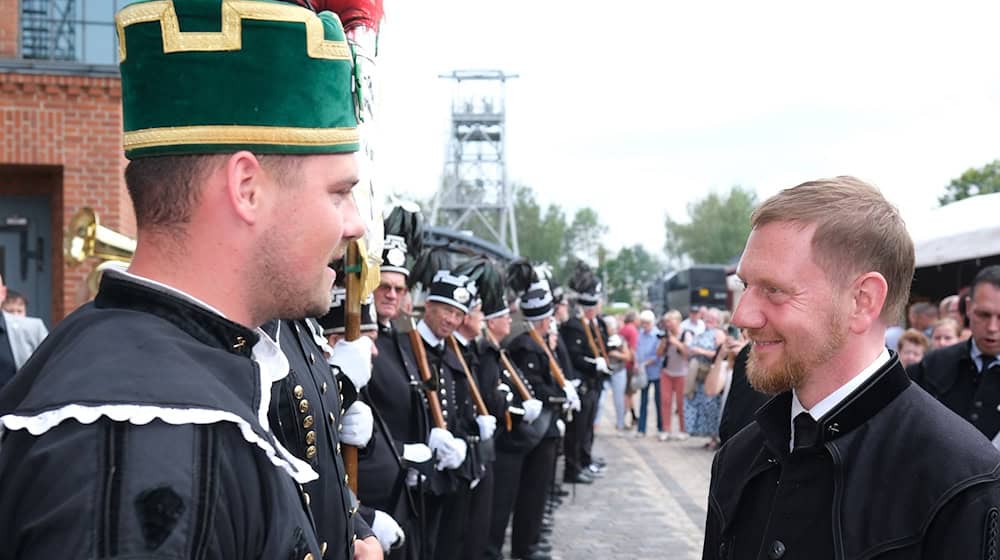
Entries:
{"x":644,"y":405}
{"x":618,"y":380}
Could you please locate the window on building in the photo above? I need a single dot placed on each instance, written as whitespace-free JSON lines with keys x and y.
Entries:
{"x":70,"y":30}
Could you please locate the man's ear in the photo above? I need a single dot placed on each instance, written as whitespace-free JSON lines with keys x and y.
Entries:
{"x":868,"y":292}
{"x":244,"y":181}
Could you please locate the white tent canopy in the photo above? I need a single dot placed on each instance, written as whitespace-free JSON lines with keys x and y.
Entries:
{"x":960,"y":231}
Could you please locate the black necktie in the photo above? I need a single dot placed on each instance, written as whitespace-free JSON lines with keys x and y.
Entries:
{"x":987,"y":360}
{"x":805,"y":430}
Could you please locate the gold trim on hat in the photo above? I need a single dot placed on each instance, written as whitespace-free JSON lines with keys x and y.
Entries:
{"x":238,"y":134}
{"x":230,"y":38}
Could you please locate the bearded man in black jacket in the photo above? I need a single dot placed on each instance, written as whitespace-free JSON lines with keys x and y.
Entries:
{"x":846,"y":461}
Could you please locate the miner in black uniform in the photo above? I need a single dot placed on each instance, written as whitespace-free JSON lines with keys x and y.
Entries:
{"x":583,"y":335}
{"x":964,"y":376}
{"x":139,"y":427}
{"x":536,"y":471}
{"x":387,"y":480}
{"x":445,"y":308}
{"x":358,"y":423}
{"x":309,"y":408}
{"x":528,"y":424}
{"x":491,"y":306}
{"x":850,"y":459}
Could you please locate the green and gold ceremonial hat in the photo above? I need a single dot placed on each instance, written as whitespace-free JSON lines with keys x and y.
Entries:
{"x":217,"y":76}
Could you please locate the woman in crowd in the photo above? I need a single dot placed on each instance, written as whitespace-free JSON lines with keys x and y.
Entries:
{"x":945,"y":332}
{"x":912,"y":347}
{"x":701,"y":412}
{"x":618,"y":355}
{"x":674,"y":350}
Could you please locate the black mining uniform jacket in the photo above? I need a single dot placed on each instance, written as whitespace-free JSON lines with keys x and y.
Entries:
{"x":575,"y":338}
{"x":396,"y":396}
{"x":523,"y":436}
{"x":305,"y":412}
{"x":950,"y":376}
{"x":153,"y":445}
{"x":893,"y":474}
{"x":532,"y":360}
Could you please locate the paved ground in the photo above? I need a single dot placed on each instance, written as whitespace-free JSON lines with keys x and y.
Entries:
{"x":650,"y":504}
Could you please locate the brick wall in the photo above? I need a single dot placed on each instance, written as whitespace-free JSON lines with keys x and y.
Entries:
{"x":10,"y":11}
{"x":62,"y":136}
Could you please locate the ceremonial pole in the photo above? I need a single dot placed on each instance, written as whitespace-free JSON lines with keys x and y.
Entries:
{"x":361,"y":19}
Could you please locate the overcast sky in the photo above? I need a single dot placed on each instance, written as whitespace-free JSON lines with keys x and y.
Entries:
{"x":637,"y":113}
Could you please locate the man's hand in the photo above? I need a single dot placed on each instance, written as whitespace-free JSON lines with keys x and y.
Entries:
{"x":354,"y":359}
{"x":450,"y":450}
{"x":487,"y":425}
{"x":367,"y":549}
{"x":417,"y":453}
{"x":388,"y":532}
{"x":356,"y":425}
{"x":602,"y":365}
{"x":572,"y":398}
{"x":532,"y":409}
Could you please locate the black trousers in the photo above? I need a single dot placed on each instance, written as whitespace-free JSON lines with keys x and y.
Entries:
{"x":529,"y":506}
{"x":507,"y":472}
{"x":480,"y":514}
{"x":447,"y":517}
{"x":577,"y":458}
{"x":587,"y":448}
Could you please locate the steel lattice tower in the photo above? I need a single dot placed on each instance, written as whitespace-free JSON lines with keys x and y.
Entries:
{"x":474,"y":183}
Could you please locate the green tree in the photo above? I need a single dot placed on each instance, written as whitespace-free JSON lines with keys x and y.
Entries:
{"x":540,"y":234}
{"x":974,"y":181}
{"x":717,"y":228}
{"x":629,"y":272}
{"x":583,"y":238}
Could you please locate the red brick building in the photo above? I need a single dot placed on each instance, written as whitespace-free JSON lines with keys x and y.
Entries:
{"x":60,"y":149}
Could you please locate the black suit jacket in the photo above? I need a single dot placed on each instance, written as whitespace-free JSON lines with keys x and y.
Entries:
{"x":893,"y":474}
{"x":950,"y":375}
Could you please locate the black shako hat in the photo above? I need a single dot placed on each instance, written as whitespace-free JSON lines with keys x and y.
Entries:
{"x":334,"y":321}
{"x":489,"y":283}
{"x":403,"y":237}
{"x":536,"y":296}
{"x":453,"y":289}
{"x":586,"y":285}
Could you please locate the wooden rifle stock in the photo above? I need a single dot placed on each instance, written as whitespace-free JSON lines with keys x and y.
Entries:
{"x":420,"y":353}
{"x":477,"y":397}
{"x":352,"y":331}
{"x":515,"y":378}
{"x":557,"y":372}
{"x":599,"y":352}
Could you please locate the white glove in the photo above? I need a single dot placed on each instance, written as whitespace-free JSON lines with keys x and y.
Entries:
{"x":354,"y":359}
{"x":413,"y":477}
{"x":532,"y":409}
{"x":505,"y":390}
{"x":387,"y":531}
{"x":416,"y":453}
{"x":601,"y":364}
{"x":356,"y":425}
{"x":561,"y":426}
{"x":450,"y":450}
{"x":487,"y":425}
{"x":572,"y":398}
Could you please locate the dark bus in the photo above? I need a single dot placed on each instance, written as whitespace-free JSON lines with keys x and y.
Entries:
{"x":703,"y":284}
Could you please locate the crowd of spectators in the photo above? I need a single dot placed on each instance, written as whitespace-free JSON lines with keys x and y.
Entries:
{"x":678,"y":367}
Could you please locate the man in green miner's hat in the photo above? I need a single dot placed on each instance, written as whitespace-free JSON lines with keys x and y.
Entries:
{"x":139,"y":428}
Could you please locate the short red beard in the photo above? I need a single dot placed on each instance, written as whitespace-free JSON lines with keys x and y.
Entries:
{"x":793,"y":368}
